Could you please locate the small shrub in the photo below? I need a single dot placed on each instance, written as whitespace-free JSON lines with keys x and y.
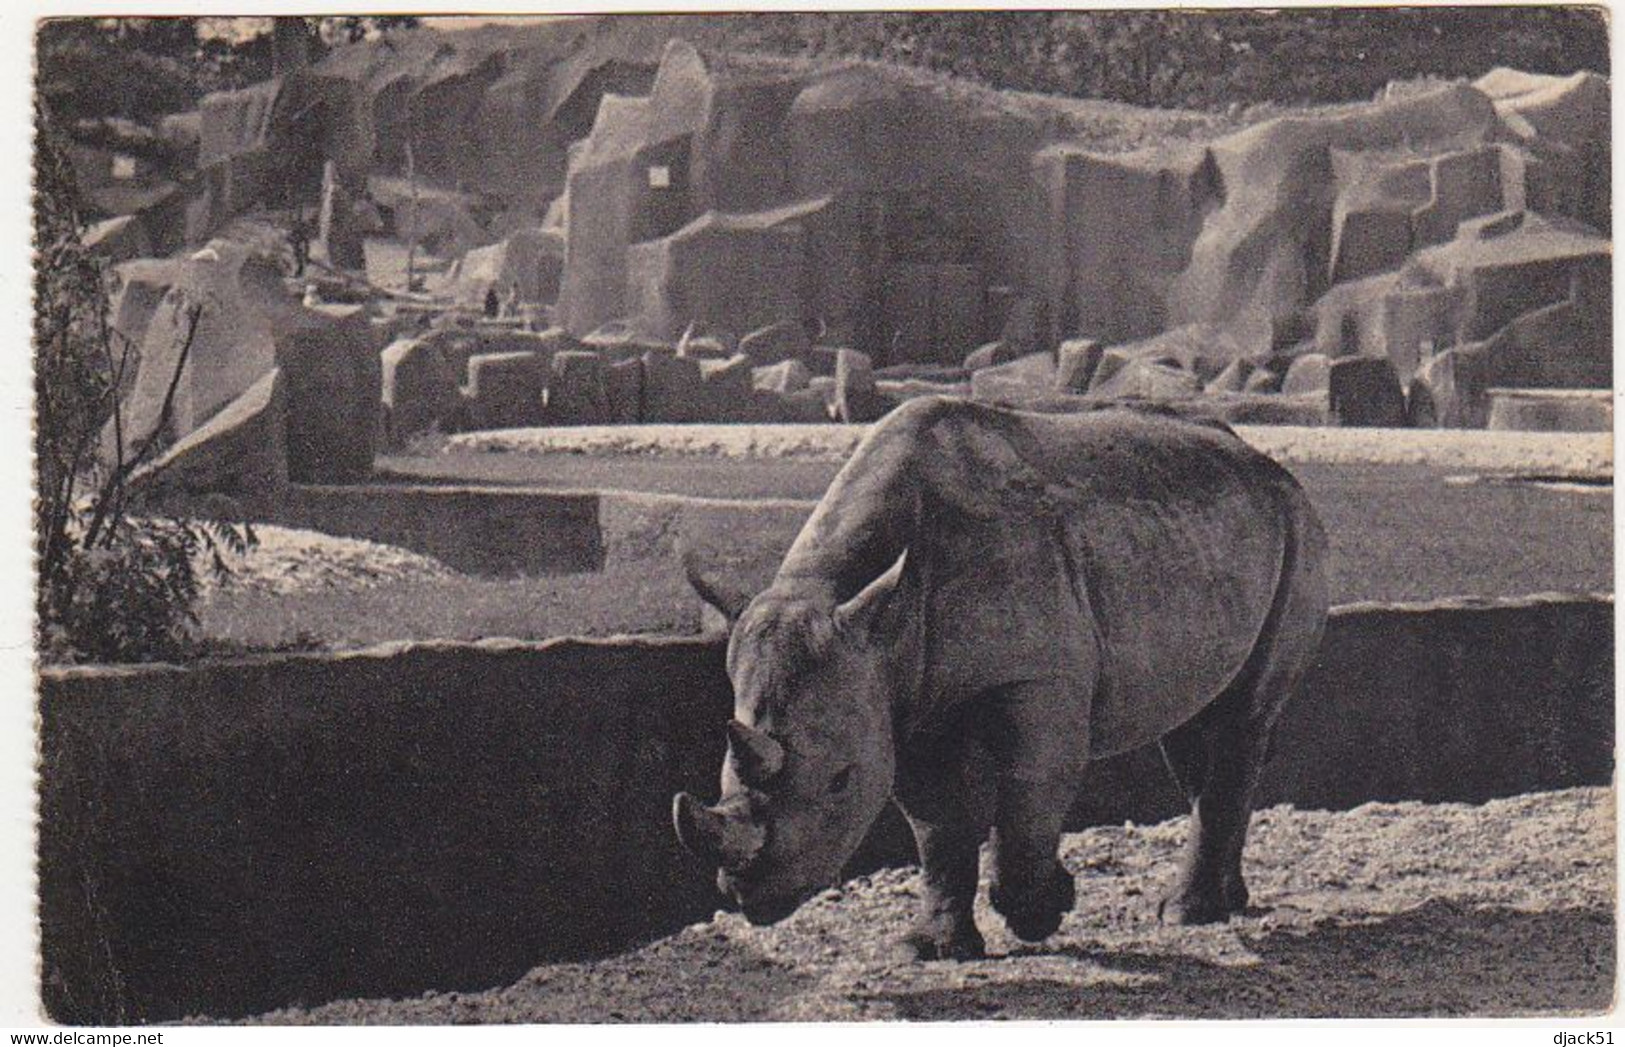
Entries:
{"x":113,"y":586}
{"x":131,"y":597}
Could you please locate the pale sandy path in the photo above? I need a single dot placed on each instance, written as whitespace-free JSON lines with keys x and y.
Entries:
{"x":1586,"y":453}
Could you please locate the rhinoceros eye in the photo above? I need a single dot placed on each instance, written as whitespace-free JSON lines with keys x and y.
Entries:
{"x":842,"y":779}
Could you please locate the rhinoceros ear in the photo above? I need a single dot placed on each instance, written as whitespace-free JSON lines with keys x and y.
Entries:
{"x":858,"y":614}
{"x":757,"y":754}
{"x":725,"y":598}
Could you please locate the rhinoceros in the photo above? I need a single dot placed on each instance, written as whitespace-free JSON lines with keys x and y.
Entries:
{"x":984,"y":601}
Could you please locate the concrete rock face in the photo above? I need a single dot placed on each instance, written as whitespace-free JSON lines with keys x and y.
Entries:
{"x":720,"y":272}
{"x":1435,"y":217}
{"x":874,"y":204}
{"x":139,"y":285}
{"x":491,"y":113}
{"x":337,"y":232}
{"x":640,"y":184}
{"x":247,"y":326}
{"x":231,"y":347}
{"x":330,"y":361}
{"x":240,"y":452}
{"x":525,"y":267}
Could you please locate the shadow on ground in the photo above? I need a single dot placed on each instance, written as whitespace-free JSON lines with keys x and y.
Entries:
{"x":1439,"y":959}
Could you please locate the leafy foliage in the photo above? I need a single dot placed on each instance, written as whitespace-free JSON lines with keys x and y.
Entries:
{"x":144,"y":68}
{"x":1204,"y":59}
{"x":113,"y":586}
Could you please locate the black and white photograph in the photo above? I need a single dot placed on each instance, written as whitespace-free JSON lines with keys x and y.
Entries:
{"x":817,"y":516}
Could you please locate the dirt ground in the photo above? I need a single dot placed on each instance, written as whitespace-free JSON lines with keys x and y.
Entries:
{"x":1388,"y":910}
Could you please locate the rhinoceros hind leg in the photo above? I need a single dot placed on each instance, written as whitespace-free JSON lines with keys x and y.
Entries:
{"x":944,"y":937}
{"x":1218,"y":756}
{"x":1216,"y":767}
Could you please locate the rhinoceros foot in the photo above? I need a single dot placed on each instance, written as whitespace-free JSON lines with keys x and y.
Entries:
{"x":1037,"y":915}
{"x":944,"y":938}
{"x":1189,"y":908}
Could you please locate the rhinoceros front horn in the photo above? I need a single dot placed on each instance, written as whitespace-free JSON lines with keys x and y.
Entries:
{"x":725,"y":836}
{"x":699,"y":829}
{"x":758,"y":754}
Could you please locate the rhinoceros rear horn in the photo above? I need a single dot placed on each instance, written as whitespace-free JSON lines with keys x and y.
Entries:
{"x":757,"y":754}
{"x":699,"y":829}
{"x":725,"y":598}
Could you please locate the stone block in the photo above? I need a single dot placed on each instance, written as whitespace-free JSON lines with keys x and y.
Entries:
{"x":783,"y":378}
{"x":419,"y":389}
{"x":855,"y":399}
{"x":624,"y":382}
{"x":506,"y":390}
{"x":786,"y":340}
{"x":578,"y":391}
{"x":673,"y":389}
{"x":1076,"y":360}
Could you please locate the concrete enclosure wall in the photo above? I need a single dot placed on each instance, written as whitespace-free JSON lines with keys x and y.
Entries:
{"x":492,"y":531}
{"x":230,"y":837}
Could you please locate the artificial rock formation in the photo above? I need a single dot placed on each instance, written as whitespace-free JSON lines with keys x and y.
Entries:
{"x":655,"y":186}
{"x":227,"y":313}
{"x":916,"y":219}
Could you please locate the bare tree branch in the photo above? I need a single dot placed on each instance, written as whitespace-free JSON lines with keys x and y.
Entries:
{"x":110,"y":499}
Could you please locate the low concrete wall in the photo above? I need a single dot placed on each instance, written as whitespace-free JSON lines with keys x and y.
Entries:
{"x":492,"y":531}
{"x":1552,"y":410}
{"x":227,"y":838}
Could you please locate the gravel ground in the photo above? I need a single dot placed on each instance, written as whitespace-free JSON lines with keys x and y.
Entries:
{"x":1588,"y":453}
{"x":290,"y":562}
{"x":1389,"y":910}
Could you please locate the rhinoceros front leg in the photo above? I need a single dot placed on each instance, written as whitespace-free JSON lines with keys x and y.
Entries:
{"x":938,"y":792}
{"x":1038,"y":733}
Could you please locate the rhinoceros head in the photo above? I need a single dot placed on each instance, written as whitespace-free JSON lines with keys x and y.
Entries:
{"x":810,"y":760}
